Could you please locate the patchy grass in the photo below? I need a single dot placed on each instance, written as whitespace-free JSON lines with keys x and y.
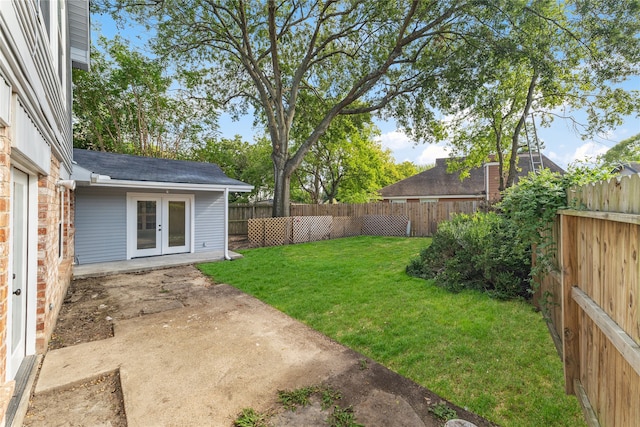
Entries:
{"x":291,"y":399}
{"x":495,"y":358}
{"x":250,"y":418}
{"x":343,"y":417}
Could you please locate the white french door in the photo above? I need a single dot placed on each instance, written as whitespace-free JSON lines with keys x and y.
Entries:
{"x":17,"y":330}
{"x":158,"y":224}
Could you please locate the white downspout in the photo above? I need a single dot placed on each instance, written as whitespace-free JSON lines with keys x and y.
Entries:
{"x":226,"y":224}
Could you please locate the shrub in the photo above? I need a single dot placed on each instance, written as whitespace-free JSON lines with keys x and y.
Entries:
{"x":481,"y":251}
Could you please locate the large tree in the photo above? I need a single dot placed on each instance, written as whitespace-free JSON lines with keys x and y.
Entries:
{"x":548,"y":60}
{"x":127,"y":104}
{"x":625,"y":151}
{"x":358,"y":57}
{"x":348,"y":164}
{"x":240,"y":160}
{"x":353,"y":56}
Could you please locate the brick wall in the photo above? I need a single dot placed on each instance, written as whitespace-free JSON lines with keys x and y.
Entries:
{"x":5,"y":178}
{"x":6,"y":388}
{"x":54,"y":270}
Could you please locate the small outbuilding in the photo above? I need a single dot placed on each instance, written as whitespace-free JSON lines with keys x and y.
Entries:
{"x":131,"y":206}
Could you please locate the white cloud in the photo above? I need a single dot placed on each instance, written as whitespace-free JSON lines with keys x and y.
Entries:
{"x":431,"y":153}
{"x":587,"y":151}
{"x":404,"y":149}
{"x":395,"y":140}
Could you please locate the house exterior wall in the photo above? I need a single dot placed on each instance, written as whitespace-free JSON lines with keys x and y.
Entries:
{"x":209,"y":221}
{"x":35,"y":139}
{"x":5,"y":194}
{"x":101,"y":232}
{"x":101,"y":222}
{"x":55,"y":252}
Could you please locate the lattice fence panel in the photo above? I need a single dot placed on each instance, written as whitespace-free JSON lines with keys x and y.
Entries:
{"x":311,"y":228}
{"x":382,"y":225}
{"x":277,"y":231}
{"x":346,"y":226}
{"x":256,"y":232}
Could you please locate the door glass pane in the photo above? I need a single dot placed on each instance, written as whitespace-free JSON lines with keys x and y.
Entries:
{"x":147,"y":224}
{"x":177,"y":211}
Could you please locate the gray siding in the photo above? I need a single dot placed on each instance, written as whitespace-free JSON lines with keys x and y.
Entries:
{"x":101,"y":225}
{"x":209,"y":221}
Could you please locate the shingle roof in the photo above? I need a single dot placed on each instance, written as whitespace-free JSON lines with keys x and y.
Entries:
{"x":438,"y":182}
{"x":138,"y":168}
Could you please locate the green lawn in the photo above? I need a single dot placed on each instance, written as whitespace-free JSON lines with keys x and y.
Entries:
{"x":493,"y":357}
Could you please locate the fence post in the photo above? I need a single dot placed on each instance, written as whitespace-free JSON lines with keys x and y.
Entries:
{"x":570,"y":310}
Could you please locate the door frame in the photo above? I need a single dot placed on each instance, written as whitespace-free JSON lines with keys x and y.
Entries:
{"x":161,"y":233}
{"x":31,"y":271}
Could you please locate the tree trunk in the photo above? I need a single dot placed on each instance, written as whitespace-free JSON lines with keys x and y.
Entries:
{"x":282,"y":181}
{"x":500,"y":162}
{"x":516,"y":133}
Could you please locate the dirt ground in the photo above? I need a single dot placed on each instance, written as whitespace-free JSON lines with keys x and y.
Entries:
{"x":93,"y":305}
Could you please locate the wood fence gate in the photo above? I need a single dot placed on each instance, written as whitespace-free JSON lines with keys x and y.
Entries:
{"x":593,"y":302}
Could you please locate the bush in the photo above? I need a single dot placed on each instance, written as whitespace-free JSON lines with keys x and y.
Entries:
{"x":481,"y":251}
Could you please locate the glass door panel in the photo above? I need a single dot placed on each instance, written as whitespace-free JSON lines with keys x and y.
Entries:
{"x":177,"y":225}
{"x":176,"y":220}
{"x":158,"y":224}
{"x":144,"y":225}
{"x":147,"y":238}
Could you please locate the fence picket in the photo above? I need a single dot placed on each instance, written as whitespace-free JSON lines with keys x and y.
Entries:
{"x":598,"y":252}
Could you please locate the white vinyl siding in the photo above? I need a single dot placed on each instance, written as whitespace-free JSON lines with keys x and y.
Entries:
{"x":101,"y":223}
{"x":101,"y":232}
{"x":209,"y":221}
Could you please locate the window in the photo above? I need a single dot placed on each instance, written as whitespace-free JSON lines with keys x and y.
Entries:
{"x":399,"y":201}
{"x":428,"y":200}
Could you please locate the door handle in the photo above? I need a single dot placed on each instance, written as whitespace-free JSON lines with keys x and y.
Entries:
{"x":17,"y":292}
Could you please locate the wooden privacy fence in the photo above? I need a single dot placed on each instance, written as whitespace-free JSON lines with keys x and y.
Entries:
{"x":299,"y":229}
{"x":241,"y":213}
{"x":424,"y":217}
{"x":595,"y":300}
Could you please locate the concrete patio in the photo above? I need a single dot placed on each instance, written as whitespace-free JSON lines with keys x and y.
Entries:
{"x":222,"y":351}
{"x":81,"y":271}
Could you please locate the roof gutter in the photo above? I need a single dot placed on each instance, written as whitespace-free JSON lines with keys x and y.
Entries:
{"x":106,"y":181}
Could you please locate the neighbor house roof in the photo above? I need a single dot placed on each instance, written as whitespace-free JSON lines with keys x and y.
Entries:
{"x":629,"y":168}
{"x":437,"y":182}
{"x":111,"y":169}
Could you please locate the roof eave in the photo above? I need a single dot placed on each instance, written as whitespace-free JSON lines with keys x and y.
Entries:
{"x":105,"y":181}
